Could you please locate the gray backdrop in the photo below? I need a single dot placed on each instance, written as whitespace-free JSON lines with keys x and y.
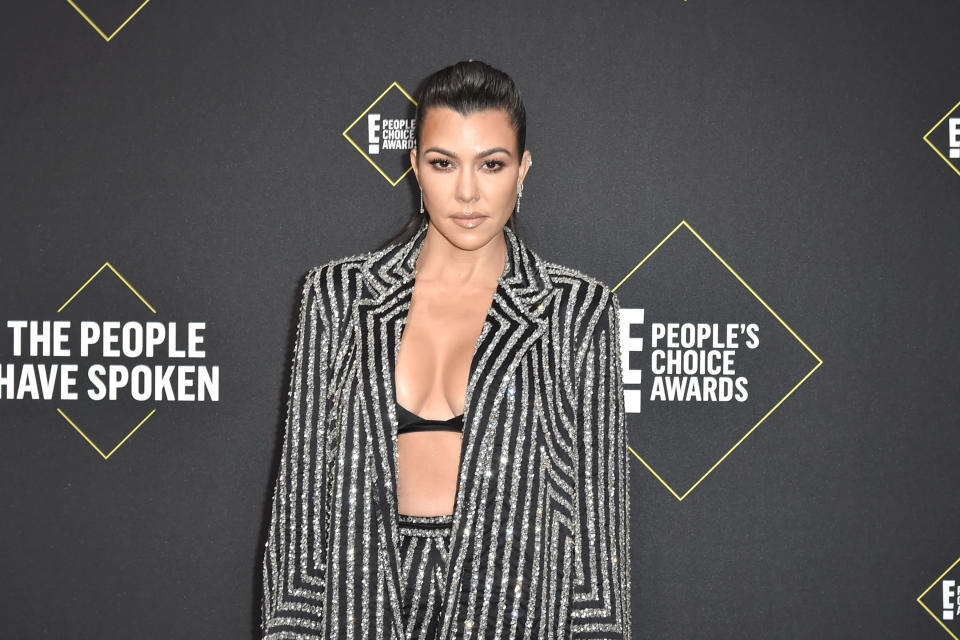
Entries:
{"x":200,"y":151}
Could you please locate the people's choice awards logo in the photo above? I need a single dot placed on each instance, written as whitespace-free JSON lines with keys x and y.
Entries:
{"x":104,"y":359}
{"x":942,"y":600}
{"x":705,"y":359}
{"x":944,"y":138}
{"x":384,"y":133}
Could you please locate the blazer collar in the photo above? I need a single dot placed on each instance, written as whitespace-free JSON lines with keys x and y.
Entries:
{"x":512,"y":325}
{"x":524,"y":277}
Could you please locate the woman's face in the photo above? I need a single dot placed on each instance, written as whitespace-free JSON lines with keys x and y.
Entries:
{"x":470,"y":172}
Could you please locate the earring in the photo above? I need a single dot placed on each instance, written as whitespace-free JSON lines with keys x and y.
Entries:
{"x":519,"y":194}
{"x":421,"y":200}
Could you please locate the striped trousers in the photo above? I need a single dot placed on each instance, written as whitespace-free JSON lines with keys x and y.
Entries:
{"x":424,"y":541}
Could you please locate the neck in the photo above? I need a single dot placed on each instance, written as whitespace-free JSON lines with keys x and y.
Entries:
{"x":444,"y":262}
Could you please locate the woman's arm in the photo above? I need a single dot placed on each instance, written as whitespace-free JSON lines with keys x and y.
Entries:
{"x":601,"y":598}
{"x":293,"y":577}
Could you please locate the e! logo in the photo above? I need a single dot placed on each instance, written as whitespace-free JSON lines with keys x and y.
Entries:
{"x":632,"y":398}
{"x":373,"y":128}
{"x":953,"y":137}
{"x":950,"y":600}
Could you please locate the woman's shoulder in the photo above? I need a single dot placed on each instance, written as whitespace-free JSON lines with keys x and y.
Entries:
{"x":333,"y":271}
{"x":340,"y":264}
{"x":577,"y":283}
{"x":586,"y":300}
{"x":333,"y":284}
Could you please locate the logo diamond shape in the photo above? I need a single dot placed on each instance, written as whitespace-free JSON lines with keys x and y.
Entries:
{"x":948,"y":136}
{"x":711,"y":360}
{"x":72,"y":422}
{"x":943,"y":601}
{"x":383,"y":133}
{"x":97,"y":27}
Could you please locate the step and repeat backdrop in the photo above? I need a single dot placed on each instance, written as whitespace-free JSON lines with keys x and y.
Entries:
{"x":772,"y":190}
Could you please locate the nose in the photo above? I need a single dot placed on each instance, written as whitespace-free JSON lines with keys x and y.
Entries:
{"x":466,"y":186}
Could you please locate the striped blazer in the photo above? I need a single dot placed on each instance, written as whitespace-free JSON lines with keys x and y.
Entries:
{"x":539,"y":546}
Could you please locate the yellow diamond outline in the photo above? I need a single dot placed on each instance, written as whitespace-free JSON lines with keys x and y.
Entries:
{"x":932,"y":129}
{"x":683,"y":223}
{"x":97,"y":28}
{"x":932,"y":584}
{"x":96,"y":273}
{"x":364,"y":153}
{"x":64,"y":306}
{"x":105,"y":456}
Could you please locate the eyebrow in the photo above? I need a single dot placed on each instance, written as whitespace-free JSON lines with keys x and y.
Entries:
{"x":479,"y":155}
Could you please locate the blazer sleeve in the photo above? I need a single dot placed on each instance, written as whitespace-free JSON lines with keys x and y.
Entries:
{"x":293,"y":577}
{"x":600,"y":606}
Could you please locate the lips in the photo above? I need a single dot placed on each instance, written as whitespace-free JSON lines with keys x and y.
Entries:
{"x":468,"y":220}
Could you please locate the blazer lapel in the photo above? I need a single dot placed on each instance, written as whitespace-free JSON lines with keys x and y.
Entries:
{"x":512,"y":325}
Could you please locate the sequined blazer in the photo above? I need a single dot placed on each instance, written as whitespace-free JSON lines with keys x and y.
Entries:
{"x":539,"y":546}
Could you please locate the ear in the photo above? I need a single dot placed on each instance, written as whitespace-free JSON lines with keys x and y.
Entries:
{"x":525,"y":161}
{"x":413,"y":163}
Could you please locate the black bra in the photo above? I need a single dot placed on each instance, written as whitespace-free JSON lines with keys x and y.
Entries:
{"x":409,"y":421}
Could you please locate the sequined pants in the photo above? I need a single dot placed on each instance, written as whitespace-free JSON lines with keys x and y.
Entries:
{"x":424,"y":541}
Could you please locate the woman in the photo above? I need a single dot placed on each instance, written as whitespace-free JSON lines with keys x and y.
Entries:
{"x":473,"y":483}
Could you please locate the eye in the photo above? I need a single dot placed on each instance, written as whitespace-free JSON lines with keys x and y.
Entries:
{"x":440,"y":163}
{"x":493,"y":165}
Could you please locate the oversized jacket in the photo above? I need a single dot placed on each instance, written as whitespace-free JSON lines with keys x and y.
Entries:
{"x":539,"y":546}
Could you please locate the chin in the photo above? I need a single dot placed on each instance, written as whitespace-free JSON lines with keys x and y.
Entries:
{"x":469,"y":238}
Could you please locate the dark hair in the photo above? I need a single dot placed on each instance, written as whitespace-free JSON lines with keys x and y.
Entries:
{"x":466,"y":87}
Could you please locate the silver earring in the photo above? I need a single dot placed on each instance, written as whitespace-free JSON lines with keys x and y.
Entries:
{"x":421,"y":200}
{"x":519,"y":194}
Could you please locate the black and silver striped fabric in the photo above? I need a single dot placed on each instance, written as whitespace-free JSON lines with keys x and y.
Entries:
{"x":539,"y":535}
{"x":424,"y":544}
